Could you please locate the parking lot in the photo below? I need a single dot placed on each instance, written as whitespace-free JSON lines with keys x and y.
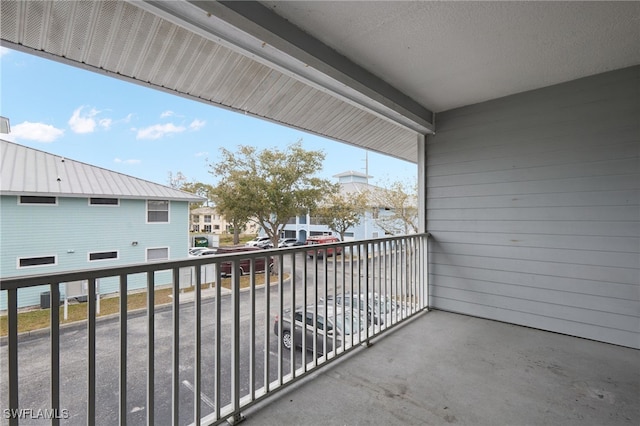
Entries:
{"x":34,"y":355}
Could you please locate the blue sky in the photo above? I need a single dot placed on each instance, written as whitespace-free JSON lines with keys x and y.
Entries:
{"x":146,"y":133}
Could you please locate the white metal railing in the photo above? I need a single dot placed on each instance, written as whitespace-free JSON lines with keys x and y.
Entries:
{"x":226,"y":351}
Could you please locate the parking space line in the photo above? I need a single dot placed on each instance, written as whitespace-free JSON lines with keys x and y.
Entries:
{"x":203,"y":397}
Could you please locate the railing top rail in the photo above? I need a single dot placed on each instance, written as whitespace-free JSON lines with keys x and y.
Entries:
{"x":15,"y":282}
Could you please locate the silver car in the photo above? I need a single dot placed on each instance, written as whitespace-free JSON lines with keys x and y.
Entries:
{"x":316,"y":325}
{"x":380,"y":309}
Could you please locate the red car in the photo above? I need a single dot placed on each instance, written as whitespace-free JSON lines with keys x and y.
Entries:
{"x":260,"y":263}
{"x":323,"y":239}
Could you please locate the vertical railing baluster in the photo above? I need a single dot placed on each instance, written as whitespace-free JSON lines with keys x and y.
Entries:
{"x":354,"y":255}
{"x":305,"y":295}
{"x":427,"y":278}
{"x":54,"y":302}
{"x":151,"y":282}
{"x":280,"y":325}
{"x":12,"y":348}
{"x":325,"y":263}
{"x":343,"y":284}
{"x":175,"y":350}
{"x":267,"y":332}
{"x":252,"y":323}
{"x":91,"y":350}
{"x":217,"y":341}
{"x":197,"y":356}
{"x":315,"y":309}
{"x":335,"y":294}
{"x":366,"y":293}
{"x":235,"y":342}
{"x":393,"y":258}
{"x":292,"y":281}
{"x":382,"y":312}
{"x":122,"y":375}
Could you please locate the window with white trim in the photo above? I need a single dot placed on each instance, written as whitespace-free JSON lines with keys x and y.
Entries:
{"x":157,"y":254}
{"x":102,"y":255}
{"x":31,"y":199}
{"x":157,"y":211}
{"x":28,"y":262}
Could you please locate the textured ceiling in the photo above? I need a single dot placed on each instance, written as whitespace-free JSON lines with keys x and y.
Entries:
{"x":450,"y":54}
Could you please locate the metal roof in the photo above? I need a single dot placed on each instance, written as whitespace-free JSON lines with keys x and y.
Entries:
{"x":28,"y":171}
{"x":368,"y":73}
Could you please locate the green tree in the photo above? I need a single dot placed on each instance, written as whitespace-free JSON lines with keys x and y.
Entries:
{"x":399,"y":202}
{"x":181,"y":182}
{"x":341,"y":211}
{"x":270,"y":186}
{"x":232,"y":203}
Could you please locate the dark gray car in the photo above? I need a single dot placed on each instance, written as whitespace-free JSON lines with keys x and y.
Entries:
{"x":316,"y":325}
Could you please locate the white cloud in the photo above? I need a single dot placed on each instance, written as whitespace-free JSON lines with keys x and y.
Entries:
{"x":39,"y":132}
{"x":105,"y":123}
{"x":202,"y":154}
{"x":168,"y":113}
{"x":158,"y":131}
{"x":131,"y":161}
{"x":197,"y":124}
{"x":83,"y":122}
{"x":4,"y":51}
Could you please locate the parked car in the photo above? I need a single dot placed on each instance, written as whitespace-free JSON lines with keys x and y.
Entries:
{"x":265,"y":244}
{"x":261,"y":264}
{"x":257,"y":240}
{"x":323,"y":239}
{"x":206,"y":252}
{"x":379,"y":310}
{"x":195,"y":250}
{"x":289,"y":242}
{"x":316,"y":315}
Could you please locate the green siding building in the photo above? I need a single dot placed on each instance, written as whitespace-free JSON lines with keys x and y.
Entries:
{"x":61,"y":215}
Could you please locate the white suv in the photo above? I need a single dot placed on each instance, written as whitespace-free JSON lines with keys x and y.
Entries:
{"x":257,"y":241}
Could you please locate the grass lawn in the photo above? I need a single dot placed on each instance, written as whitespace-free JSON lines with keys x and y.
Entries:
{"x":39,"y":318}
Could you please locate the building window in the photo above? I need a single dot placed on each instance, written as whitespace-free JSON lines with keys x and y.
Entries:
{"x":216,"y":227}
{"x":26,"y":262}
{"x":103,"y":255}
{"x":207,"y":218}
{"x":196,"y":228}
{"x":158,"y":211}
{"x":157,"y":254}
{"x":207,"y":228}
{"x":104,"y":202}
{"x":27,"y":199}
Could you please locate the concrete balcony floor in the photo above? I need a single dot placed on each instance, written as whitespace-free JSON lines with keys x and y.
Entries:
{"x":445,"y":368}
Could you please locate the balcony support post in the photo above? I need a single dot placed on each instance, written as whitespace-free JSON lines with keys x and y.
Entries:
{"x":235,"y":346}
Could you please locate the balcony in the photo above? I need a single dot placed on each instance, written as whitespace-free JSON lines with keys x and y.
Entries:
{"x":213,"y":352}
{"x":443,"y":368}
{"x":214,"y":355}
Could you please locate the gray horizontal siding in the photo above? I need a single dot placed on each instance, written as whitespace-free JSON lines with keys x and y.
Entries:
{"x":534,"y":204}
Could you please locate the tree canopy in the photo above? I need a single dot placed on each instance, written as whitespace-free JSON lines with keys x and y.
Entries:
{"x":269,"y":186}
{"x":341,"y":211}
{"x":401,"y":208}
{"x":181,"y":182}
